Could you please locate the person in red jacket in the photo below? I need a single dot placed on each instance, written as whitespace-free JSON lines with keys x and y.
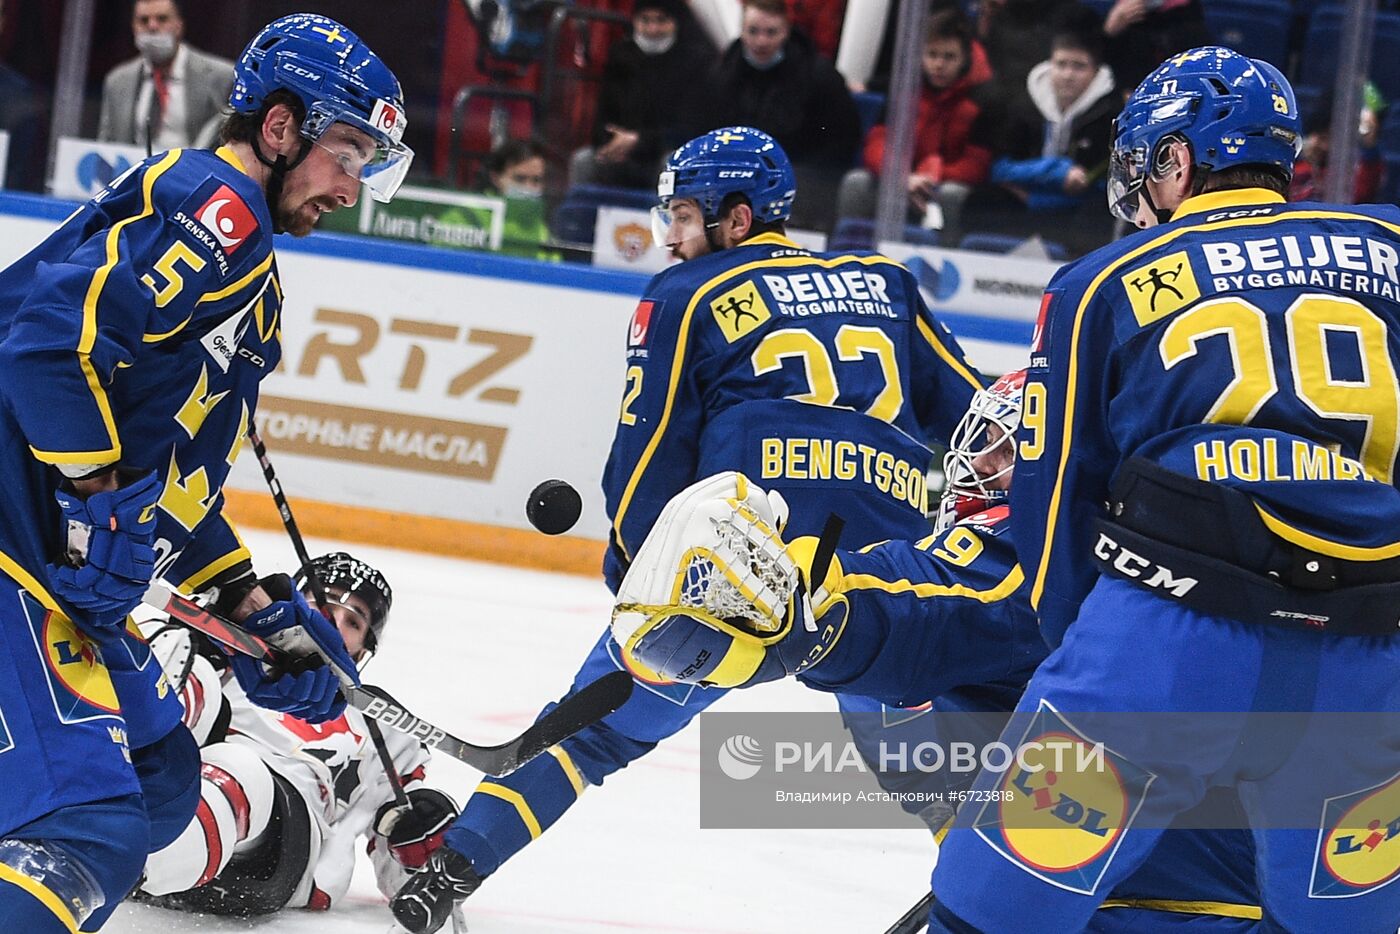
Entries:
{"x":952,"y":150}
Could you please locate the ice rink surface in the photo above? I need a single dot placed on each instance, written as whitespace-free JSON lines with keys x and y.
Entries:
{"x":478,"y":649}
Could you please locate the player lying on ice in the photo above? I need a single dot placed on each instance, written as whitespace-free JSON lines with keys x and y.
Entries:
{"x":284,"y":802}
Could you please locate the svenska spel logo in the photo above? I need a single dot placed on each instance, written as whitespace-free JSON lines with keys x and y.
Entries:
{"x":740,"y":757}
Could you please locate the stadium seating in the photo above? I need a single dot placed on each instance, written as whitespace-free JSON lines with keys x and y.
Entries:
{"x":1257,"y":28}
{"x":577,"y":214}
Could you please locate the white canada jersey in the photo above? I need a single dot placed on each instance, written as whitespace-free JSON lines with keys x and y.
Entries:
{"x":337,"y":772}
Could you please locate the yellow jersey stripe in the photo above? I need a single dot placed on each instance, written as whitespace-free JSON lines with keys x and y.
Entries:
{"x":247,"y":277}
{"x":683,"y":341}
{"x":45,"y":895}
{"x":1325,"y":546}
{"x":1001,"y":591}
{"x":1213,"y":200}
{"x":88,"y":335}
{"x":76,"y":457}
{"x":229,"y":156}
{"x":566,"y":764}
{"x":1219,"y":909}
{"x":16,"y":572}
{"x":946,"y":355}
{"x":516,"y":800}
{"x":198,"y":579}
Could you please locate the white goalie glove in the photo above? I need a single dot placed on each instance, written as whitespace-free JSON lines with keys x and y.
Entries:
{"x":716,"y":597}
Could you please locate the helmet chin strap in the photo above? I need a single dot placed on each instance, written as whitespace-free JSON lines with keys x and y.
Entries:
{"x":277,"y":175}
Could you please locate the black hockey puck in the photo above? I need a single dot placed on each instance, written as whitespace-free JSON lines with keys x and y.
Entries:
{"x":553,"y":507}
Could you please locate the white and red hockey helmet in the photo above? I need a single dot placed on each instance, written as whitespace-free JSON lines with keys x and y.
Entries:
{"x":982,"y":452}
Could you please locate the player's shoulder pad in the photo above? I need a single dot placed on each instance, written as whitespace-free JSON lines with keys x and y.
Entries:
{"x":219,"y":212}
{"x":991,"y":522}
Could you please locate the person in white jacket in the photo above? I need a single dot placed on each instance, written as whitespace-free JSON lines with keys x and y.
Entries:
{"x":284,"y":802}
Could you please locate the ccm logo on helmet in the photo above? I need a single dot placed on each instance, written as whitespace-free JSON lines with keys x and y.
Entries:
{"x":736,"y":173}
{"x":1133,"y":565}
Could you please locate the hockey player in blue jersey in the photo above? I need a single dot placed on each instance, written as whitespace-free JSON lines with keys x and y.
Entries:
{"x":132,"y":343}
{"x":941,"y":620}
{"x":1206,"y":510}
{"x":824,"y":374}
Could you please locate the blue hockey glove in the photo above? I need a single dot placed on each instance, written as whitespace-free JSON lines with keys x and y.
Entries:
{"x":321,"y":664}
{"x":108,"y":540}
{"x":714,"y":595}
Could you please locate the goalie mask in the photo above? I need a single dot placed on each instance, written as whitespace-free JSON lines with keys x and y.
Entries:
{"x":982,"y":452}
{"x":343,"y":576}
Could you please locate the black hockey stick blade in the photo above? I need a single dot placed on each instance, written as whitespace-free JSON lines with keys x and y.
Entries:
{"x":915,"y":919}
{"x":580,"y":710}
{"x":585,"y":708}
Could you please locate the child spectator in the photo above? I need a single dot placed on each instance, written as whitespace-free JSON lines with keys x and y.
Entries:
{"x":648,"y":99}
{"x":1310,"y":171}
{"x":1053,"y":153}
{"x":953,"y":144}
{"x":1016,"y":35}
{"x":771,"y":78}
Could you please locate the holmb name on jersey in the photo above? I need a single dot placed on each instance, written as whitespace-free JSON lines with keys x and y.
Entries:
{"x":1254,"y":460}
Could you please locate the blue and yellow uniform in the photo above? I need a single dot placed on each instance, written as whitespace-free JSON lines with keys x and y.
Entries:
{"x":1226,"y":385}
{"x":136,"y":333}
{"x":948,"y":620}
{"x":822,"y":376}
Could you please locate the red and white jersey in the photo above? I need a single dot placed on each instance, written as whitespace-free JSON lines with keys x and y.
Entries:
{"x":333,"y":766}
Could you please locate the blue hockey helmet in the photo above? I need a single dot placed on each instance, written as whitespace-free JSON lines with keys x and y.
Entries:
{"x":339,"y":80}
{"x":732,"y":160}
{"x":1231,"y":110}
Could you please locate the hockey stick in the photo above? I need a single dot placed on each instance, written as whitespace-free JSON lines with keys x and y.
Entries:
{"x":915,"y":919}
{"x":376,"y":737}
{"x":585,"y":708}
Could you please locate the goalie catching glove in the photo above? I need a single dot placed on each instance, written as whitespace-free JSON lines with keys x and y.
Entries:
{"x":716,"y":597}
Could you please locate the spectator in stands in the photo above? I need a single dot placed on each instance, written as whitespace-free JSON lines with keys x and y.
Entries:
{"x":1052,"y":156}
{"x":953,"y":139}
{"x":648,"y":101}
{"x":1016,"y":35}
{"x":772,"y":78}
{"x":21,"y":116}
{"x":172,"y":92}
{"x":1310,"y":171}
{"x":515,"y":170}
{"x":1143,"y":33}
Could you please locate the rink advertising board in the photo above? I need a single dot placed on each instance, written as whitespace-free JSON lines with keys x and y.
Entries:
{"x":423,"y":393}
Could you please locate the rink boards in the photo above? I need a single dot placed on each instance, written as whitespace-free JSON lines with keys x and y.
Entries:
{"x":423,"y":393}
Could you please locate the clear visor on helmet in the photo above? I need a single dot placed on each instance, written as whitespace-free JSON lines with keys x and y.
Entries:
{"x":981,"y":455}
{"x":676,"y":221}
{"x":1127,"y":170}
{"x":362,"y":153}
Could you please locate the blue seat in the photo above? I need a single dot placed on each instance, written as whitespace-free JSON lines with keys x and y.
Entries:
{"x":858,"y":233}
{"x":606,"y":196}
{"x":574,"y":223}
{"x":1389,"y":192}
{"x":577,"y":215}
{"x":1388,"y":140}
{"x":870,"y":106}
{"x":1257,"y":28}
{"x":1004,"y":243}
{"x":1322,"y":42}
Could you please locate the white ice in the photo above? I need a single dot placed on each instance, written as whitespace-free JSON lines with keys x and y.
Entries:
{"x":479,"y":648}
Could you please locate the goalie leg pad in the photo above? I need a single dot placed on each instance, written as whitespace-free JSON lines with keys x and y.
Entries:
{"x":235,"y":807}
